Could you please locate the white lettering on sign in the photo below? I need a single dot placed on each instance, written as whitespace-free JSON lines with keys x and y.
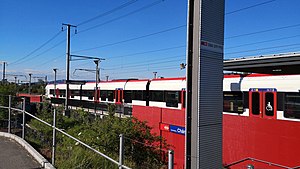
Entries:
{"x":211,"y":46}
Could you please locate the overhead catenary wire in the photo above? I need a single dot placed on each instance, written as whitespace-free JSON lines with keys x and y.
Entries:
{"x":259,"y":42}
{"x":128,"y":66}
{"x":146,"y":52}
{"x":35,"y":50}
{"x":132,"y":39}
{"x":123,"y":16}
{"x":259,"y":49}
{"x":263,"y":31}
{"x":152,"y":60}
{"x":249,"y":7}
{"x":111,"y":11}
{"x":148,"y":70}
{"x":141,"y":53}
{"x":108,"y":12}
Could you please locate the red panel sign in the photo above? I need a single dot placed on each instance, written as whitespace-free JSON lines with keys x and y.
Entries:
{"x":164,"y":127}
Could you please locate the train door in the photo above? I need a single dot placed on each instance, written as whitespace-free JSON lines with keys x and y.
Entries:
{"x":263,"y":103}
{"x":119,"y":96}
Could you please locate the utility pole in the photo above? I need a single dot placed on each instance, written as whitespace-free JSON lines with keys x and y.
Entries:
{"x":67,"y":67}
{"x":54,"y":94}
{"x":3,"y":77}
{"x":97,"y":81}
{"x":154,"y":73}
{"x":29,"y":89}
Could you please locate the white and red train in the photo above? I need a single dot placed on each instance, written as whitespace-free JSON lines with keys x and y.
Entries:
{"x":261,"y":113}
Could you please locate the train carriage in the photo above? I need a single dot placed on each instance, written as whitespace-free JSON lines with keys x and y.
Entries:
{"x":261,"y":114}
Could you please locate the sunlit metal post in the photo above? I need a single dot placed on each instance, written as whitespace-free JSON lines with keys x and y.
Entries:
{"x":121,"y":154}
{"x":170,"y":159}
{"x":68,"y":57}
{"x":97,"y":81}
{"x":54,"y":94}
{"x":29,"y":87}
{"x":23,"y":127}
{"x":54,"y":137}
{"x":67,"y":69}
{"x":9,"y":113}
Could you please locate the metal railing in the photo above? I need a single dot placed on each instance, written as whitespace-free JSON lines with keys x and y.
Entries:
{"x":53,"y":126}
{"x":260,"y":161}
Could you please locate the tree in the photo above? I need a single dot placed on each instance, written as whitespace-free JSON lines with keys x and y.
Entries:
{"x":6,"y":89}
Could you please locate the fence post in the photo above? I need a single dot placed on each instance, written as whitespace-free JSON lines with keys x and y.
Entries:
{"x":9,"y":113}
{"x":23,"y":127}
{"x":121,"y":154}
{"x":54,"y":137}
{"x":171,"y":159}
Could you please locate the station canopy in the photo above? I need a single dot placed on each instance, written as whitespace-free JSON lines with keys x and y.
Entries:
{"x":287,"y":63}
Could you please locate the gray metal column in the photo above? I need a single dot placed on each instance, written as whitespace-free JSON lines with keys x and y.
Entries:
{"x":170,"y":159}
{"x":29,"y":87}
{"x":9,"y":114}
{"x":204,"y":84}
{"x":24,"y":123}
{"x":54,"y":137}
{"x":121,"y":153}
{"x":3,"y":76}
{"x":67,"y":69}
{"x":54,"y":94}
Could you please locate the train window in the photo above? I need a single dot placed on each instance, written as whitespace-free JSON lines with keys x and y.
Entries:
{"x":51,"y":91}
{"x":128,"y":96}
{"x":157,"y":96}
{"x":172,"y":98}
{"x":233,"y":102}
{"x":110,"y":95}
{"x":62,"y":93}
{"x":103,"y":95}
{"x":269,"y":103}
{"x":280,"y":101}
{"x":292,"y":105}
{"x":255,"y":103}
{"x":246,"y":100}
{"x":137,"y":95}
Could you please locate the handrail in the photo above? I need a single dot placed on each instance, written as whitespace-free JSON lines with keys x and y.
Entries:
{"x":261,"y":161}
{"x":84,"y":144}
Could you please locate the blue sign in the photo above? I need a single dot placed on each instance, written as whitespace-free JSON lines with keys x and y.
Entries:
{"x":177,"y":129}
{"x":262,"y":90}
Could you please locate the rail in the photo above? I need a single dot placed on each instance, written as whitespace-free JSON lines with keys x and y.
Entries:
{"x":121,"y":153}
{"x":260,"y":161}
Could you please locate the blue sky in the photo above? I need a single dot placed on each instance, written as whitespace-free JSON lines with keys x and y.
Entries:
{"x":136,"y":40}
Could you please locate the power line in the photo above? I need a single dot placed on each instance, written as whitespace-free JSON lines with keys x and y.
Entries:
{"x":140,"y":53}
{"x":146,"y":52}
{"x":253,"y":50}
{"x":133,"y":63}
{"x":259,"y":42}
{"x":48,"y":41}
{"x":249,"y":7}
{"x":263,"y":31}
{"x":123,"y":16}
{"x":146,"y":64}
{"x":132,"y":39}
{"x":47,"y":61}
{"x":147,"y":70}
{"x":45,"y":51}
{"x":108,"y":12}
